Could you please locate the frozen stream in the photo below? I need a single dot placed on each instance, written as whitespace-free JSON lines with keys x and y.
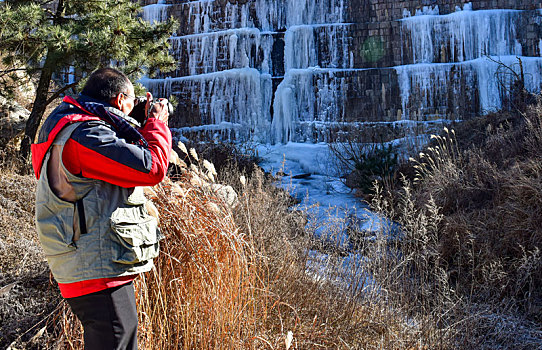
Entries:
{"x":310,"y":176}
{"x":331,"y":206}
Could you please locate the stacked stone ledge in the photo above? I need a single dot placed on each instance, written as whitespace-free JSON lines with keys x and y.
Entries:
{"x":373,"y":95}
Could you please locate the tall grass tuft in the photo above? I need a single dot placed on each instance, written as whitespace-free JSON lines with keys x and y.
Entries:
{"x":199,"y":295}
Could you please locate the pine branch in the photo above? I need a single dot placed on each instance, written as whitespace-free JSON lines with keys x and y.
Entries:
{"x":49,"y":12}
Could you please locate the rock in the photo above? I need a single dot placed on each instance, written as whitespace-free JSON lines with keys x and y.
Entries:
{"x":226,"y":193}
{"x":13,"y":119}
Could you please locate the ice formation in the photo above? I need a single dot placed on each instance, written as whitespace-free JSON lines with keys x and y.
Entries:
{"x":466,"y":41}
{"x":233,"y":101}
{"x":156,"y":12}
{"x":462,"y":35}
{"x":242,"y":91}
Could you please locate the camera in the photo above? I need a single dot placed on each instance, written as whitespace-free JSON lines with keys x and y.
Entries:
{"x":138,"y":112}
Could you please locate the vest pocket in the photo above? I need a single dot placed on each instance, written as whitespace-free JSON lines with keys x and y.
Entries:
{"x":55,"y":219}
{"x":135,"y":235}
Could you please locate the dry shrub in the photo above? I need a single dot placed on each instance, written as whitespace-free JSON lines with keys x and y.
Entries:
{"x":415,"y":277}
{"x":471,"y":234}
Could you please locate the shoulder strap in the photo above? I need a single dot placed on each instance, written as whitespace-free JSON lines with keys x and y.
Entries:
{"x":60,"y":140}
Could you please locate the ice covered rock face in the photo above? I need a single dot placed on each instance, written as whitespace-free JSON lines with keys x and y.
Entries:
{"x":320,"y":70}
{"x":461,"y":51}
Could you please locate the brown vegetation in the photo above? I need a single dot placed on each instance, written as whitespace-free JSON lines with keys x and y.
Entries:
{"x":237,"y":278}
{"x":470,"y":212}
{"x":27,"y":297}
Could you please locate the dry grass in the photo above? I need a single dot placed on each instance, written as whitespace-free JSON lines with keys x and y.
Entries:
{"x":244,"y":278}
{"x":471,"y":233}
{"x":196,"y":297}
{"x":26,"y":294}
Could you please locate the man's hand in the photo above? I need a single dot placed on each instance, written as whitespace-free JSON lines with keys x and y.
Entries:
{"x":159,"y":108}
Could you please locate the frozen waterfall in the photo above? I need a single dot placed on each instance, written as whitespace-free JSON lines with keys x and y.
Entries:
{"x":459,"y":53}
{"x":274,"y":71}
{"x":229,"y":73}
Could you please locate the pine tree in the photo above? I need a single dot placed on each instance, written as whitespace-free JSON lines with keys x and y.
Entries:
{"x":46,"y":38}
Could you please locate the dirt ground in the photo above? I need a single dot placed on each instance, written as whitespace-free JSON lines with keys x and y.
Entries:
{"x":27,"y":294}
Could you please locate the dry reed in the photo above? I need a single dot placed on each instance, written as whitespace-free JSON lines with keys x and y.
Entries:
{"x":468,"y":260}
{"x":198,"y":296}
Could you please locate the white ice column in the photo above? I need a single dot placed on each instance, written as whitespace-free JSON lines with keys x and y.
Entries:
{"x":156,"y":12}
{"x":237,"y":96}
{"x":305,"y":100}
{"x":300,"y":50}
{"x":314,"y":45}
{"x":199,"y":15}
{"x":294,"y":101}
{"x":466,"y":34}
{"x":273,"y":14}
{"x":227,"y":49}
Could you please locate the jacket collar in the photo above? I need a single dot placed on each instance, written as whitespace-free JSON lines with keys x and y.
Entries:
{"x":110,"y":108}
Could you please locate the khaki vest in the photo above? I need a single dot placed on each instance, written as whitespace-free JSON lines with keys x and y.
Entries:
{"x":103,"y":231}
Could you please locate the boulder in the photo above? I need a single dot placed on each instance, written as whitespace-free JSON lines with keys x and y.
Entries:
{"x":13,"y":119}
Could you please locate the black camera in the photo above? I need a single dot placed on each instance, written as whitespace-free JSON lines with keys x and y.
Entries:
{"x":138,"y":112}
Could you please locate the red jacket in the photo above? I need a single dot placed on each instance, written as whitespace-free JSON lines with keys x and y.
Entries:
{"x":95,"y":151}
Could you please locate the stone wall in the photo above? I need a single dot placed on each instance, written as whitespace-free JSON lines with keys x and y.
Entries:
{"x":388,"y":10}
{"x":380,"y":49}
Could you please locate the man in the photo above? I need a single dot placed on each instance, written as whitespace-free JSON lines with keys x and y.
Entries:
{"x":92,"y":220}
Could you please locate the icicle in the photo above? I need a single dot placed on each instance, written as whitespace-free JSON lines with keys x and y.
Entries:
{"x":233,"y":47}
{"x":468,"y":34}
{"x":155,"y":13}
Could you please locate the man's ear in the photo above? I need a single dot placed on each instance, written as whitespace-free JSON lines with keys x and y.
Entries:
{"x":117,"y":100}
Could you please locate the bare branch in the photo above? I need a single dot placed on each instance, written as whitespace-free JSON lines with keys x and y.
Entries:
{"x":58,"y":92}
{"x":7,"y":71}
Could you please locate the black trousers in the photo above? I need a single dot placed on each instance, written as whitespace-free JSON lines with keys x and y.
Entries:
{"x":109,"y":318}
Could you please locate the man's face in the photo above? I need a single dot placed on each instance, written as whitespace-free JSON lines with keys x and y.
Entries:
{"x":125,"y":100}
